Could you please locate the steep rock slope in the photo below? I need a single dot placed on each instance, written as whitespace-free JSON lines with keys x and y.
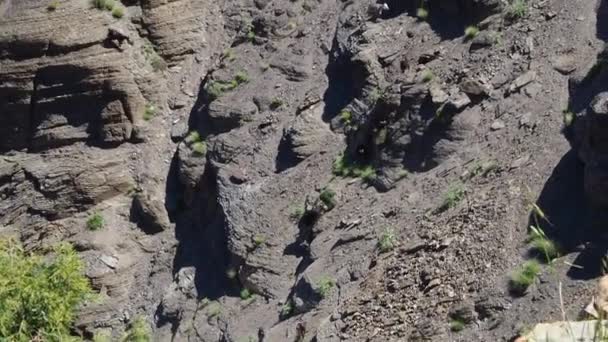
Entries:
{"x":205,"y":134}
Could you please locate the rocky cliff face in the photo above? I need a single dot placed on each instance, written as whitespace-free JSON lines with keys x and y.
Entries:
{"x":310,"y":170}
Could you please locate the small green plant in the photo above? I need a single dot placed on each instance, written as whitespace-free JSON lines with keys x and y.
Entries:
{"x":251,"y":36}
{"x":229,"y":55}
{"x":346,"y":116}
{"x":52,"y":6}
{"x":542,"y":244}
{"x":259,"y":240}
{"x":149,"y":112}
{"x":328,"y":197}
{"x":422,"y":13}
{"x":452,"y":197}
{"x":427,"y":76}
{"x":324,"y":285}
{"x":245,"y":294}
{"x":517,"y":9}
{"x":241,"y":77}
{"x":297,"y":212}
{"x":39,"y":295}
{"x":95,"y":222}
{"x":155,"y":60}
{"x":193,"y":137}
{"x":118,"y":12}
{"x":287,"y":308}
{"x":471,"y":32}
{"x":276,"y":103}
{"x":457,"y":324}
{"x":344,"y":167}
{"x":199,"y":148}
{"x":568,"y":118}
{"x":481,"y":168}
{"x":231,"y":273}
{"x":524,"y":277}
{"x":139,"y":331}
{"x":387,"y":241}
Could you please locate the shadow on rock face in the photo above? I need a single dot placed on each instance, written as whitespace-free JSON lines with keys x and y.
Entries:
{"x":601,"y":23}
{"x":571,"y":222}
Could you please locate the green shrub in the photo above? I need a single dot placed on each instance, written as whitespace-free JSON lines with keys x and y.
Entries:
{"x":344,"y":167}
{"x":102,"y":336}
{"x":109,"y":5}
{"x":259,"y":240}
{"x":118,"y":12}
{"x":517,"y":9}
{"x":193,"y":137}
{"x":427,"y":76}
{"x":328,"y":197}
{"x":287,"y":308}
{"x":422,"y":13}
{"x":568,"y":118}
{"x":324,"y":285}
{"x":241,"y":77}
{"x":245,"y":294}
{"x":276,"y":103}
{"x":524,"y":277}
{"x":199,"y":148}
{"x":471,"y":32}
{"x":95,"y":222}
{"x":346,"y":116}
{"x":297,"y":212}
{"x":52,"y":6}
{"x":149,"y":112}
{"x":387,"y":241}
{"x":139,"y":331}
{"x":457,"y":324}
{"x":451,"y":198}
{"x":38,"y":296}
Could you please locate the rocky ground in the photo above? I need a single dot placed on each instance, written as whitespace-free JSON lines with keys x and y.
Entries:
{"x":213,"y":138}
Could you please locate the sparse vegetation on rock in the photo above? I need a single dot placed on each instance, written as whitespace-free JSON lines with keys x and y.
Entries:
{"x":328,"y":197}
{"x":387,"y":241}
{"x":324,"y":285}
{"x":524,"y":277}
{"x":138,"y":331}
{"x":95,"y":222}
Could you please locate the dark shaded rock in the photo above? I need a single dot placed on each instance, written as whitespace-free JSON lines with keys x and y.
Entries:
{"x":150,"y":212}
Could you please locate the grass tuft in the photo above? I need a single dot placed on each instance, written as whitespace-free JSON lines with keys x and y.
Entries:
{"x":387,"y":241}
{"x":324,"y":286}
{"x":542,"y":244}
{"x":52,"y":6}
{"x":517,"y":9}
{"x":524,"y":277}
{"x":139,"y":331}
{"x":95,"y":222}
{"x":422,"y":14}
{"x":344,"y":167}
{"x":451,"y":198}
{"x":199,"y":148}
{"x":471,"y":32}
{"x":427,"y":76}
{"x":118,"y":12}
{"x":149,"y":112}
{"x":328,"y":197}
{"x":457,"y":324}
{"x":245,"y":294}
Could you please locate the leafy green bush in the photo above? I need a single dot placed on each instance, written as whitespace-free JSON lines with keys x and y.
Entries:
{"x":109,"y":5}
{"x":38,"y":296}
{"x":139,"y":331}
{"x":346,"y":116}
{"x":95,"y":222}
{"x":193,"y":137}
